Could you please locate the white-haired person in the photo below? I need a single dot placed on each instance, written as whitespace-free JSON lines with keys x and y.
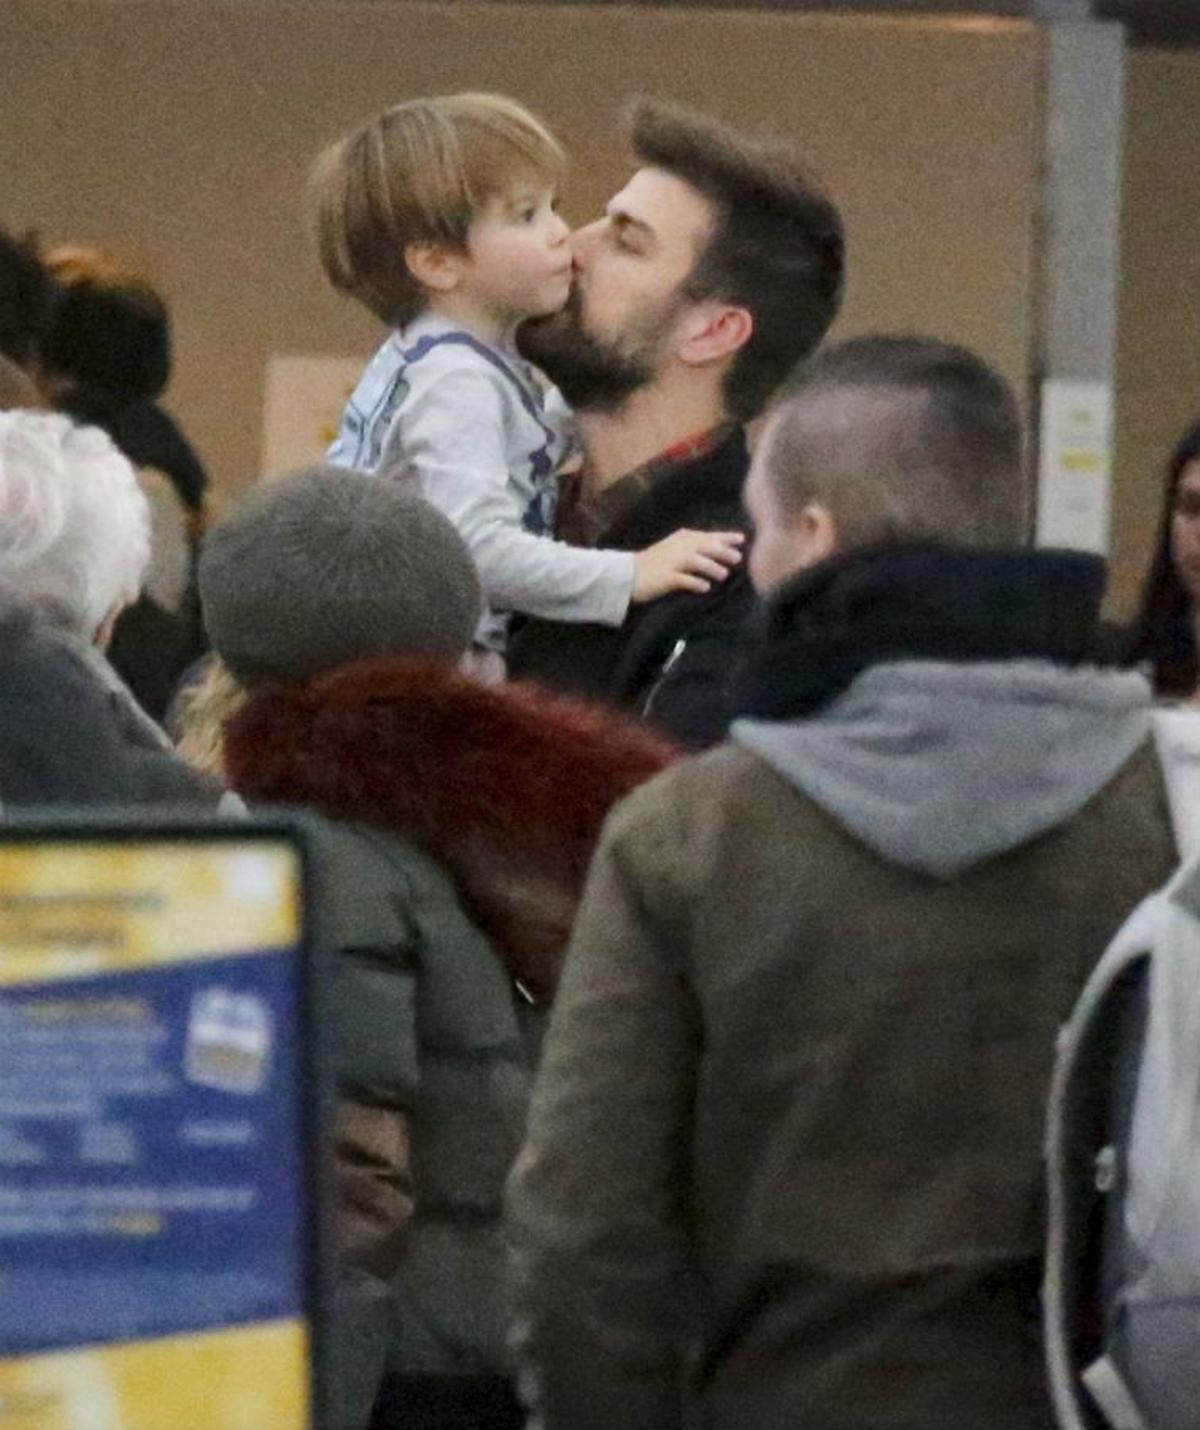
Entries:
{"x":74,"y":545}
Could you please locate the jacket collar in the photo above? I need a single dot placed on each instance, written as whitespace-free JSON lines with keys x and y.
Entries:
{"x":918,"y":601}
{"x":506,"y":786}
{"x":54,"y":630}
{"x":672,"y":490}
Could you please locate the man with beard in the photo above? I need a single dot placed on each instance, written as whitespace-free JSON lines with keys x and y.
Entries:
{"x":712,"y":274}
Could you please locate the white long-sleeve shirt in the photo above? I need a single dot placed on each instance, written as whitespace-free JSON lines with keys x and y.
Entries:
{"x":468,"y":423}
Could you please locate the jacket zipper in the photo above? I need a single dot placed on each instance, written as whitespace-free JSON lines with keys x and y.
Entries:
{"x":671,"y":661}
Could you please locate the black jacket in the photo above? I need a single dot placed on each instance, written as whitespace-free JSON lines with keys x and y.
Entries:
{"x":147,"y":434}
{"x":673,"y":660}
{"x":152,"y":646}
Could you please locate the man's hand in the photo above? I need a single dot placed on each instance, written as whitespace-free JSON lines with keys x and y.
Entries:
{"x":685,"y":561}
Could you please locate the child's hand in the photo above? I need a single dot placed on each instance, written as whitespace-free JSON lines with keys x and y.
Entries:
{"x":685,"y":561}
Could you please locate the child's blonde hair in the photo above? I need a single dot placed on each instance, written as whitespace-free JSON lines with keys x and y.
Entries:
{"x":203,"y":710}
{"x":419,"y":173}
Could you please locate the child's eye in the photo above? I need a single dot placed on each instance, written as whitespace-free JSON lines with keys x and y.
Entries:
{"x":527,"y":213}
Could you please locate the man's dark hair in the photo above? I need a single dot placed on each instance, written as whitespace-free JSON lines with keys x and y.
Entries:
{"x":25,"y":297}
{"x":902,"y":438}
{"x":777,"y":247}
{"x":108,"y":329}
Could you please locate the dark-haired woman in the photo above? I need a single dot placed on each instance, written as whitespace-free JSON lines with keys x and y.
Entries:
{"x":104,"y":358}
{"x":1165,"y":638}
{"x":1164,"y":634}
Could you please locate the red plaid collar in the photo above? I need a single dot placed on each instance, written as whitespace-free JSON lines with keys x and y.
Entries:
{"x":582,"y":520}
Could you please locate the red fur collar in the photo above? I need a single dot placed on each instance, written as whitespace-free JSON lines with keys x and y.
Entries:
{"x":501,"y":783}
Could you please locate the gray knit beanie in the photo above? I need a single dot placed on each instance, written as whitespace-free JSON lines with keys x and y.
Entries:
{"x":327,"y":567}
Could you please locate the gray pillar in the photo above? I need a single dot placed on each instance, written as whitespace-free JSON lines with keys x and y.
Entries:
{"x":1075,"y":363}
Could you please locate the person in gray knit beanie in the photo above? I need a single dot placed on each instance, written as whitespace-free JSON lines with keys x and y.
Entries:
{"x":454,"y":821}
{"x":320,"y":569}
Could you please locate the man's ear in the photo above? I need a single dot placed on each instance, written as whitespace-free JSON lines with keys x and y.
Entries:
{"x":709,"y":332}
{"x":815,"y":534}
{"x":435,"y":266}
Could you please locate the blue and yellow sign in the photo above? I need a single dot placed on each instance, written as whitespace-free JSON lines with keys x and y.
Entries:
{"x":154,"y":1204}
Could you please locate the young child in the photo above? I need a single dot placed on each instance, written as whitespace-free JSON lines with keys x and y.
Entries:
{"x":439,"y":215}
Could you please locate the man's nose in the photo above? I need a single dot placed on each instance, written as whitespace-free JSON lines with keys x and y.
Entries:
{"x":583,"y":240}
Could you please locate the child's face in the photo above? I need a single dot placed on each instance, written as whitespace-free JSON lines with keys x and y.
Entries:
{"x":518,"y":261}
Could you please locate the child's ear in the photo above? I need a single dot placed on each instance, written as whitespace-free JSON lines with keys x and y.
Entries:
{"x":711,"y":331}
{"x":435,"y":266}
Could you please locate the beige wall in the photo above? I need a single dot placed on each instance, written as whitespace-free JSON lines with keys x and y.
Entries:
{"x":179,"y":134}
{"x":1158,"y":367}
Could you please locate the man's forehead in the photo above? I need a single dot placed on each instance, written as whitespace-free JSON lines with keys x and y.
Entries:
{"x":762,"y":455}
{"x":669,"y":207}
{"x":761,"y":449}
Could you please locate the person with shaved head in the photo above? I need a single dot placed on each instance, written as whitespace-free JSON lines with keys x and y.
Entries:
{"x":783,"y":1156}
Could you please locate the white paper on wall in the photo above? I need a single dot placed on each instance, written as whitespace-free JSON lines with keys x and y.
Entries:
{"x":1075,"y":466}
{"x":302,"y":410}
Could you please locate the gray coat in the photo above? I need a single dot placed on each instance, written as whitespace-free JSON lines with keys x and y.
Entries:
{"x":70,"y":732}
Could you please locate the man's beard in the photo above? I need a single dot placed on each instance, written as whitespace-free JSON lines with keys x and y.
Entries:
{"x":595,"y":374}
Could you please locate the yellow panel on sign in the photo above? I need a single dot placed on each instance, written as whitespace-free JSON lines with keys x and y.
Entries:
{"x":251,"y":1376}
{"x":69,"y":911}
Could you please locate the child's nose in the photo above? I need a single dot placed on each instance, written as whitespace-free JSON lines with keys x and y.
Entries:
{"x":560,"y":230}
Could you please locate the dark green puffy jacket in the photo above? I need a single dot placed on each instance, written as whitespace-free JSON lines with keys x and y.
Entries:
{"x":433,"y":1049}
